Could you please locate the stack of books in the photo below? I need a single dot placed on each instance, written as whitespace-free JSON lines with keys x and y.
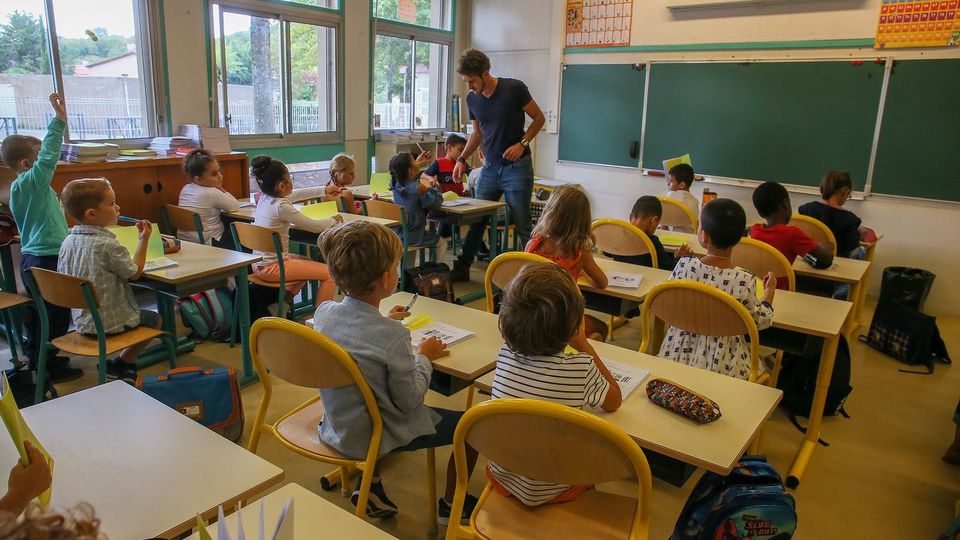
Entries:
{"x":88,"y":152}
{"x":216,"y":140}
{"x":137,"y":153}
{"x":179,"y":145}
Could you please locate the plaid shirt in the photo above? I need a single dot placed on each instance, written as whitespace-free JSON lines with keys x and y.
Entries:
{"x":93,"y":253}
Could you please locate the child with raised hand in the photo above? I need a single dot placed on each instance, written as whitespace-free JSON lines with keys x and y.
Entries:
{"x":563,"y":236}
{"x":721,"y":226}
{"x":364,"y":259}
{"x":540,"y":315}
{"x":679,"y":179}
{"x":42,"y":225}
{"x":92,"y":252}
{"x":276,"y":211}
{"x":773,"y":204}
{"x":836,"y":189}
{"x":419,"y":198}
{"x":205,"y":196}
{"x":342,"y":174}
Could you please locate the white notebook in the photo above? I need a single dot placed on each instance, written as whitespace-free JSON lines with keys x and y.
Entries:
{"x":624,"y":280}
{"x":449,"y":335}
{"x":627,"y":376}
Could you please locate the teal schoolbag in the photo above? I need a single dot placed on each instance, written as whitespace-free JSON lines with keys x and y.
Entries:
{"x":209,"y":313}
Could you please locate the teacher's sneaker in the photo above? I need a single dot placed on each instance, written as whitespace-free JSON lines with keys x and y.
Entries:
{"x":444,"y":508}
{"x":378,"y":505}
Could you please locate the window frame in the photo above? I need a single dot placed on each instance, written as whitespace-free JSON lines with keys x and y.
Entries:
{"x":448,"y":13}
{"x":415,"y":34}
{"x":285,"y":13}
{"x":148,"y":21}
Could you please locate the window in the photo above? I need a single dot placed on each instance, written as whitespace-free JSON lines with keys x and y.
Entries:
{"x":429,"y":13}
{"x":276,"y":73}
{"x":102,"y":65}
{"x":411,"y":66}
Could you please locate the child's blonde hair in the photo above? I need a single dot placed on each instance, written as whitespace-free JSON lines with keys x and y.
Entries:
{"x":358,"y":253}
{"x":566,"y":220}
{"x":82,"y":194}
{"x":339,"y":164}
{"x":79,"y":523}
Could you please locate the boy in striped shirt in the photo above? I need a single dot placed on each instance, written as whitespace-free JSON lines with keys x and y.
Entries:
{"x":542,"y":310}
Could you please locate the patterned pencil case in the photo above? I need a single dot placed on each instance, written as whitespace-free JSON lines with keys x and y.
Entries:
{"x":683,"y":401}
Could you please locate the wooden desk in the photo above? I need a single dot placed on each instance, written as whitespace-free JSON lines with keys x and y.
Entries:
{"x":716,"y":446}
{"x":145,"y":468}
{"x":200,"y":267}
{"x":245,"y":214}
{"x":804,"y":313}
{"x":468,"y":359}
{"x":313,"y":517}
{"x":843,"y":270}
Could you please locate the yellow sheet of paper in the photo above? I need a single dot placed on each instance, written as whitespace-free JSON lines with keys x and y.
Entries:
{"x":20,"y":431}
{"x":127,"y":236}
{"x":320,"y":210}
{"x":671,"y":239}
{"x":202,"y":528}
{"x":419,"y":321}
{"x":760,"y":290}
{"x":450,"y":196}
{"x":673,"y":162}
{"x":379,"y":182}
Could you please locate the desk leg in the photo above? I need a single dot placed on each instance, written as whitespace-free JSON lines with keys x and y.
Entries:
{"x":824,"y":374}
{"x":159,"y":353}
{"x":494,"y":250}
{"x":856,"y":297}
{"x":243,"y":305}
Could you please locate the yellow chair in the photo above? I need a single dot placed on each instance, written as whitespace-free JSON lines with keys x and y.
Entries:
{"x":618,"y":237}
{"x":676,"y":214}
{"x":177,"y":219}
{"x":701,"y":309}
{"x":502,"y":270}
{"x":307,"y":358}
{"x":816,"y":229}
{"x":554,"y":443}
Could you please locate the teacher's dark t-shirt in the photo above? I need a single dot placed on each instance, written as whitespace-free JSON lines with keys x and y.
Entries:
{"x":501,"y":117}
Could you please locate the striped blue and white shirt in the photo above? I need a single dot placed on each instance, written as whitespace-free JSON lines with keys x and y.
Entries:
{"x":568,"y":379}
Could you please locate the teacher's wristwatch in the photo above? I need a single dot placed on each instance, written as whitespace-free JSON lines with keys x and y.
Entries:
{"x":525,"y":143}
{"x":462,"y":160}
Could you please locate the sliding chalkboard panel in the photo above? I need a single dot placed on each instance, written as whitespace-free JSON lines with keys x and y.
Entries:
{"x":783,"y":121}
{"x":919,"y":152}
{"x":601,"y":113}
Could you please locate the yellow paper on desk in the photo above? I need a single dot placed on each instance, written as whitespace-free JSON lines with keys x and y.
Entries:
{"x":419,"y":321}
{"x":379,"y":183}
{"x":20,"y":431}
{"x":450,"y":196}
{"x":320,"y":210}
{"x":668,"y":239}
{"x":673,"y":162}
{"x":127,"y":236}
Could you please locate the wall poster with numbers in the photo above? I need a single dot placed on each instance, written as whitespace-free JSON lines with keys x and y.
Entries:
{"x":921,"y":23}
{"x":599,"y":23}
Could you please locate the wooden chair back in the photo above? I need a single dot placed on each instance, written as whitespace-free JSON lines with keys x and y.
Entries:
{"x":256,"y":237}
{"x":758,"y":258}
{"x":676,"y":214}
{"x":182,"y":219}
{"x":63,"y":290}
{"x":383,"y":210}
{"x":618,"y":237}
{"x":816,"y":229}
{"x":301,"y":356}
{"x":503,"y":268}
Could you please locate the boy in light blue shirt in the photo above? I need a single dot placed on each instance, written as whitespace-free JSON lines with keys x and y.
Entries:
{"x":363,"y":259}
{"x":39,"y":217}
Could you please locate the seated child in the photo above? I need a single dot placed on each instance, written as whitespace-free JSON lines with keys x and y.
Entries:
{"x":92,"y":252}
{"x":773,"y":204}
{"x":342,"y":172}
{"x":441,"y":170}
{"x":645,"y":216}
{"x":721,"y":226}
{"x":418,"y":197}
{"x":275,"y":210}
{"x":541,"y":313}
{"x":205,"y":196}
{"x":364,"y":259}
{"x":835,"y":190}
{"x":679,"y":179}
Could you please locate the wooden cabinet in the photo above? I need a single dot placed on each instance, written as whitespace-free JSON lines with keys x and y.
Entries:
{"x":143,"y":187}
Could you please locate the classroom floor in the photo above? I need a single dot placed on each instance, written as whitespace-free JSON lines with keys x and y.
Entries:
{"x":881,"y":477}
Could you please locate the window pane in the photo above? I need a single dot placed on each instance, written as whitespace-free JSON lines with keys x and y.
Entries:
{"x":313,"y":78}
{"x":432,"y":13}
{"x":429,"y":85}
{"x":252,"y":69}
{"x":393,"y":83}
{"x":25,"y":79}
{"x":103,"y":61}
{"x":332,"y":4}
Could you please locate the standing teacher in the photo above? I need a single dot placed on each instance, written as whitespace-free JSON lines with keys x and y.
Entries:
{"x":498,"y":108}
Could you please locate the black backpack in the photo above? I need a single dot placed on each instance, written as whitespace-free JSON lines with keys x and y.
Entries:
{"x":798,"y":380}
{"x":904,"y":333}
{"x":430,"y":279}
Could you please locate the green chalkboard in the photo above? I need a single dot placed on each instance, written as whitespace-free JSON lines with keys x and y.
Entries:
{"x":783,"y":121}
{"x":601,"y":114}
{"x":919,"y":153}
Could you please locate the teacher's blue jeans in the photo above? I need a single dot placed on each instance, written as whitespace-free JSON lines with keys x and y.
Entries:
{"x":514,"y":182}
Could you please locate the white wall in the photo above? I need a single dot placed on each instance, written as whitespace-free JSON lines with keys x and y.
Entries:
{"x":916,"y":233}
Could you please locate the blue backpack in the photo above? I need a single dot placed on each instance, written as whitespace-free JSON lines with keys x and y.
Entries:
{"x":209,"y":313}
{"x":750,"y":502}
